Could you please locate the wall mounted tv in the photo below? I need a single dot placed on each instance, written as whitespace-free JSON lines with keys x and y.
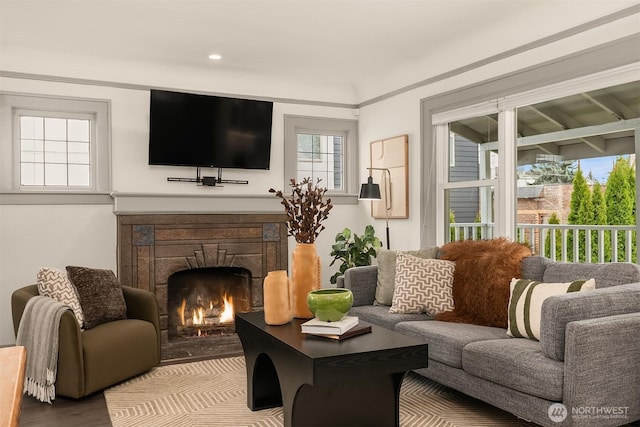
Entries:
{"x":209,"y":131}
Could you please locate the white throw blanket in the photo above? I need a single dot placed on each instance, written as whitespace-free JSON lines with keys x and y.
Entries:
{"x":38,"y":332}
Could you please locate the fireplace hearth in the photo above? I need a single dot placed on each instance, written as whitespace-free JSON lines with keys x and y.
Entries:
{"x":204,"y":257}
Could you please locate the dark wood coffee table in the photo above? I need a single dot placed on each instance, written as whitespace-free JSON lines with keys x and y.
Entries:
{"x":322,"y":382}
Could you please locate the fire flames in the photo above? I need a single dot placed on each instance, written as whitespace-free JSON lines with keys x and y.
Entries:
{"x":198,"y":316}
{"x":206,"y":314}
{"x":227,"y":314}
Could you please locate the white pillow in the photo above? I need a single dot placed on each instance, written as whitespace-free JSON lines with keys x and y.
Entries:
{"x":386,"y":260}
{"x":525,"y":303}
{"x":422,"y":285}
{"x":53,"y":283}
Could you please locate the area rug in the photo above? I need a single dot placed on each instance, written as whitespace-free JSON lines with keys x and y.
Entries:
{"x":212,"y":393}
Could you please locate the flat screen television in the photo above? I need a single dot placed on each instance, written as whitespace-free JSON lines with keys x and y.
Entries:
{"x":188,"y":129}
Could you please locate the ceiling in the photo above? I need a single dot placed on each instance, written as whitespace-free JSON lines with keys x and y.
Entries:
{"x":319,"y":42}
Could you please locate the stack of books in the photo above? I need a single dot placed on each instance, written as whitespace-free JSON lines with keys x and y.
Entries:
{"x":344,"y":328}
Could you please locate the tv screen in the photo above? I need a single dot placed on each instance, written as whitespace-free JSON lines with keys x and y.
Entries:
{"x":209,"y":131}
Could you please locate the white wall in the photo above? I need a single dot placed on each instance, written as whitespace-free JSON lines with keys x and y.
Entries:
{"x":50,"y":236}
{"x":32,"y":236}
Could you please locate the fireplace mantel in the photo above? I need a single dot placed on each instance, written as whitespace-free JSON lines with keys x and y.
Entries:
{"x":152,"y":246}
{"x":211,"y":200}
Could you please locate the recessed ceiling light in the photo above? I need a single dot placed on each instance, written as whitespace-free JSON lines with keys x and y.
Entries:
{"x":215,"y":56}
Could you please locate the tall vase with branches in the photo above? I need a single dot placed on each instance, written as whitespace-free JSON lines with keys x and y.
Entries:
{"x":306,"y":209}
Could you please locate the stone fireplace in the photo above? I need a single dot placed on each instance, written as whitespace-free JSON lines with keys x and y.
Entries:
{"x":196,"y":263}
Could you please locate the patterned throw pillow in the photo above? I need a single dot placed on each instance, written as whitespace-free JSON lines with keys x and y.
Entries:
{"x":422,"y":285}
{"x":387,"y":271}
{"x":525,"y":303}
{"x":54,"y":283}
{"x":100,"y":294}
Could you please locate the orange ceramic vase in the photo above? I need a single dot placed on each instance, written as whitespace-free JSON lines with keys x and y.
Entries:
{"x":305,"y":277}
{"x":277,"y":298}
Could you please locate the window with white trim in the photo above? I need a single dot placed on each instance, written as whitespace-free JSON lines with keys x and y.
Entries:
{"x":323,"y":148}
{"x":54,"y":144}
{"x":320,"y":156}
{"x":510,"y":141}
{"x":55,"y":150}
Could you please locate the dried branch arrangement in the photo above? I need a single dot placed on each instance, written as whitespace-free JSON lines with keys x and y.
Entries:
{"x":305,"y":209}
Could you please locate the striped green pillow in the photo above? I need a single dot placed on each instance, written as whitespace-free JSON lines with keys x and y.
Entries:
{"x":525,"y":303}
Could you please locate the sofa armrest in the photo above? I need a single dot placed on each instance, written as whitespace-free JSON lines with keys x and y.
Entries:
{"x":602,"y":369}
{"x":143,"y":305}
{"x":558,"y":311}
{"x":362,"y":282}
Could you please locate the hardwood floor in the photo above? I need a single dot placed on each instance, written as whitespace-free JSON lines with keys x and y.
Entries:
{"x":65,"y":412}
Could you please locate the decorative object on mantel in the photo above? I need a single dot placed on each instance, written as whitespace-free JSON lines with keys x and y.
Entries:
{"x":306,"y":209}
{"x":277,"y":298}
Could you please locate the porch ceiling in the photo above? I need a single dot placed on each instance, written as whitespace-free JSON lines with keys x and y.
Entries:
{"x":585,"y":125}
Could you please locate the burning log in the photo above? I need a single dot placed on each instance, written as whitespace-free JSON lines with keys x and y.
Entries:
{"x":205,"y":330}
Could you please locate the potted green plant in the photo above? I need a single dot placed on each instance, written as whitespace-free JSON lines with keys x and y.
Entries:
{"x":354,"y":250}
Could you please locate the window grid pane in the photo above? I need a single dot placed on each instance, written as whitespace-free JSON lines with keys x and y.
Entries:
{"x":54,"y":151}
{"x":321,"y":156}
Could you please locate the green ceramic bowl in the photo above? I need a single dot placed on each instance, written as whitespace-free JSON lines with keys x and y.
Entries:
{"x":330,"y":304}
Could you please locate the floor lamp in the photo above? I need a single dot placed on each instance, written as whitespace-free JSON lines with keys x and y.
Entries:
{"x":371,"y":191}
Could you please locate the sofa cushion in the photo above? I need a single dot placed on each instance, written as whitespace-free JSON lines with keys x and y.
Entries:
{"x":525,"y":303}
{"x":515,"y":363}
{"x":422,"y":285}
{"x":100,"y":295}
{"x":446,"y":340}
{"x":54,"y":283}
{"x":484,"y":269}
{"x":605,"y":274}
{"x":387,"y":271}
{"x":379,"y":315}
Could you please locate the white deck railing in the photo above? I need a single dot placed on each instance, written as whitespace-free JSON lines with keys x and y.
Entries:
{"x":564,"y":242}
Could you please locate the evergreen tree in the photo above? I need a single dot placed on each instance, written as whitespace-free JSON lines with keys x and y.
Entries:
{"x":620,"y":200}
{"x":632,"y":185}
{"x":560,"y":172}
{"x":553,"y":219}
{"x":599,"y":218}
{"x":581,"y":213}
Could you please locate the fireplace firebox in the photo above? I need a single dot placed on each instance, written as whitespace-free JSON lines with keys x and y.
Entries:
{"x":202,"y":302}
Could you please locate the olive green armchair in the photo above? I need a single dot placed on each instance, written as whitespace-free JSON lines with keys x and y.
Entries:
{"x":94,"y":359}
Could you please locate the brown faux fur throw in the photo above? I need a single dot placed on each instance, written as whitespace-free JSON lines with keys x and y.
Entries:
{"x":484,"y":269}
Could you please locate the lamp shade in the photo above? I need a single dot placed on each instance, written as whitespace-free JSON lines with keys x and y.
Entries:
{"x":369,"y":191}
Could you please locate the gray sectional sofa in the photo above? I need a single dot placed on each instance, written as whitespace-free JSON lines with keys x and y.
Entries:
{"x":587,"y":359}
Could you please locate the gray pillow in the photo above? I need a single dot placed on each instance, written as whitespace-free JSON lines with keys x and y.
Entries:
{"x":100,"y":295}
{"x":387,"y":271}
